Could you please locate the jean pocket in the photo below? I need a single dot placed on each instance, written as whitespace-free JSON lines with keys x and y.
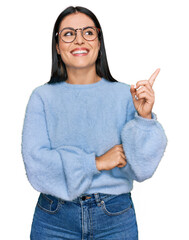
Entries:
{"x":117,"y":205}
{"x":48,"y":203}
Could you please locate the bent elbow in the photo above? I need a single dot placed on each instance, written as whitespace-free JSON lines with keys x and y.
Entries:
{"x":141,"y":177}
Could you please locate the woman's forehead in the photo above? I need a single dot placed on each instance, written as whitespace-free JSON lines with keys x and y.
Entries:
{"x":76,"y":20}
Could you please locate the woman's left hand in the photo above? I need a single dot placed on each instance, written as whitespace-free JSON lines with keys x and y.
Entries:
{"x":145,"y":97}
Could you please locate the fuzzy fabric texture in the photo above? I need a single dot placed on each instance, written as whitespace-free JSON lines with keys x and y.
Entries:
{"x":67,"y":125}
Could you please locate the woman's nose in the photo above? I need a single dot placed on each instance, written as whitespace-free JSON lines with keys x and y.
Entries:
{"x":79,"y":38}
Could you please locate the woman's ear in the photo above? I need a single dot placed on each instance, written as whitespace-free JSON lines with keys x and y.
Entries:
{"x":57,"y":49}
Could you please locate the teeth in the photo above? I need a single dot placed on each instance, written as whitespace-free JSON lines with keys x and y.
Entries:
{"x":81,"y":51}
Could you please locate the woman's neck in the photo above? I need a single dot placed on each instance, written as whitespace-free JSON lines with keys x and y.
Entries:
{"x":82,"y":76}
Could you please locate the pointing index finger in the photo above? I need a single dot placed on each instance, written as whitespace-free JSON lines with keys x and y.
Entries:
{"x":153,"y":76}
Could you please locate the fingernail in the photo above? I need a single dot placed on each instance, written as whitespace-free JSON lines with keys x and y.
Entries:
{"x":136,"y":97}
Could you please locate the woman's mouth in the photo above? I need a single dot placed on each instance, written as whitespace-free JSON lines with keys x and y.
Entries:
{"x":80,"y":52}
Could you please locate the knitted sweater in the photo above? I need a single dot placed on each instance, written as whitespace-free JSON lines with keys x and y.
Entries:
{"x":67,"y":125}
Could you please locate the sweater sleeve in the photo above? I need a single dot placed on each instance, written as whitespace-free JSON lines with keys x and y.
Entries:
{"x":144,"y":142}
{"x":64,"y":172}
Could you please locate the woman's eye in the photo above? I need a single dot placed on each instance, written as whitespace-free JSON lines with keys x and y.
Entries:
{"x":68,"y":34}
{"x":89,"y":33}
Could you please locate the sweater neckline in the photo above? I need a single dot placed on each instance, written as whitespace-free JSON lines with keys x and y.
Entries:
{"x":90,"y":85}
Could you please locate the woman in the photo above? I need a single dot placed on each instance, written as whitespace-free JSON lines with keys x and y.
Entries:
{"x":87,"y":137}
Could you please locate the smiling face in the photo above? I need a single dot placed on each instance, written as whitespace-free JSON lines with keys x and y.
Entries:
{"x":71,"y":60}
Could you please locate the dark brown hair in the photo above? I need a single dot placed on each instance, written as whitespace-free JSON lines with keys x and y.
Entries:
{"x":58,"y":70}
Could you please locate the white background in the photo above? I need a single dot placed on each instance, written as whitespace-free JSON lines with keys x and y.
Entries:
{"x":139,"y":36}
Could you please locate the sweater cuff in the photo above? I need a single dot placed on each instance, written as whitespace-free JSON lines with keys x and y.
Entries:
{"x":90,"y":164}
{"x":145,"y":123}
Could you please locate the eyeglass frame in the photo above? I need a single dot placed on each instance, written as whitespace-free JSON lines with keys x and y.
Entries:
{"x":58,"y":33}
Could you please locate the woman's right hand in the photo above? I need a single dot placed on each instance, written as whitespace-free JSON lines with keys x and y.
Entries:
{"x":115,"y":157}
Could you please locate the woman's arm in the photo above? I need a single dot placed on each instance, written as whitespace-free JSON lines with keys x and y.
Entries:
{"x":143,"y":137}
{"x":144,"y":142}
{"x":66,"y":171}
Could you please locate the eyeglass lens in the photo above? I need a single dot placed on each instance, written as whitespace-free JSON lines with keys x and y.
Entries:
{"x":89,"y":34}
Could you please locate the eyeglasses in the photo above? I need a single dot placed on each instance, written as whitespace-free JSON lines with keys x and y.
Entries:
{"x":69,"y":34}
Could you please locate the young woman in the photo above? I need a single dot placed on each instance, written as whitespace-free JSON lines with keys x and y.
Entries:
{"x":87,"y":137}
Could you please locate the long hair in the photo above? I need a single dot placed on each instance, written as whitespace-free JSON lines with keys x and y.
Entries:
{"x":58,"y":70}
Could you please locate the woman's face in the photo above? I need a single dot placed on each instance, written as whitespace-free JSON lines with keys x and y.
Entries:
{"x":71,"y":60}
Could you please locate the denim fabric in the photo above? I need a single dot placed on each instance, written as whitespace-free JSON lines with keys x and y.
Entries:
{"x":102,"y":216}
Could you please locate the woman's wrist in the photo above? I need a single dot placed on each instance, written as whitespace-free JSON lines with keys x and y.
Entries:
{"x":149,"y":116}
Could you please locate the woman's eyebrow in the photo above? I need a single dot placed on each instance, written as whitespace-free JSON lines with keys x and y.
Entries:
{"x":79,"y":27}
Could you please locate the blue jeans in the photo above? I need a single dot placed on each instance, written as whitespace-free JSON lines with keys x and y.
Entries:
{"x":92,"y":216}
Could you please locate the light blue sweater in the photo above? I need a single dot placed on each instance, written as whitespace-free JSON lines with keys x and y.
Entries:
{"x":67,"y":125}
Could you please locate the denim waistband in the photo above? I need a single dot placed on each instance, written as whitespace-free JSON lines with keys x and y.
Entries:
{"x":87,"y":198}
{"x":95,"y":197}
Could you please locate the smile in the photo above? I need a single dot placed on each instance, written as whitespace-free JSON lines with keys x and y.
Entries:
{"x":80,"y":52}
